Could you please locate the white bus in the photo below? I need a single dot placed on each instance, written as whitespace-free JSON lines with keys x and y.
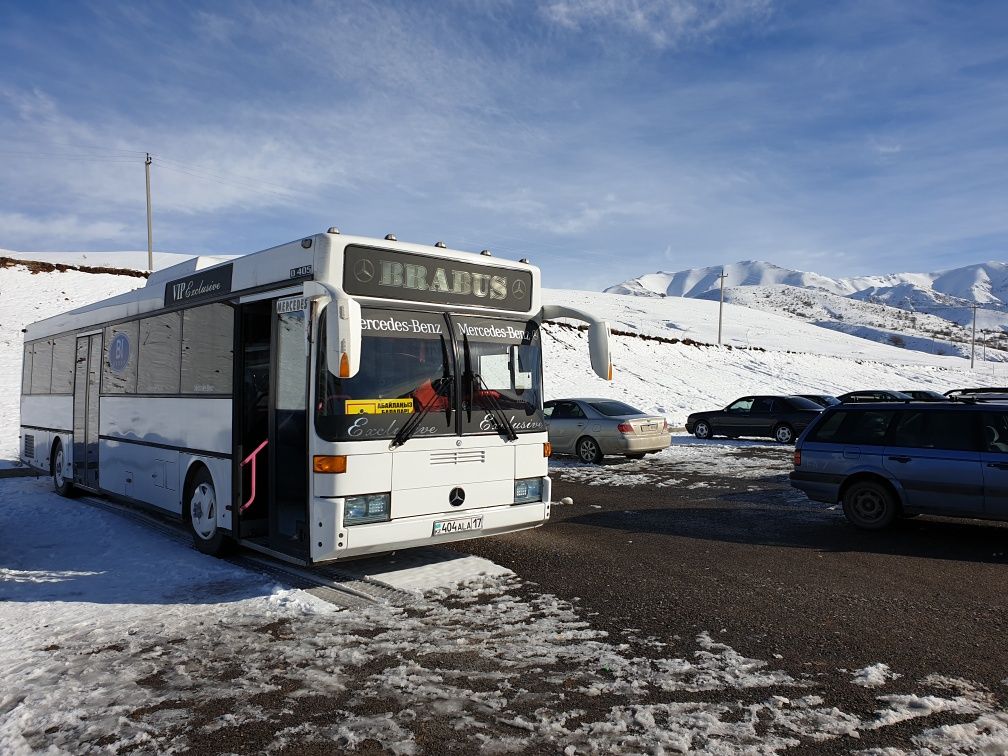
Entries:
{"x":328,"y":398}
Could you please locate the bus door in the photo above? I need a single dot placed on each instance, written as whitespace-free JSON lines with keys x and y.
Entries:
{"x":87,"y":374}
{"x":272,"y":425}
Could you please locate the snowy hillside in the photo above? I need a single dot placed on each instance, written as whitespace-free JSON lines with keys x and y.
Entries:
{"x":919,"y":331}
{"x":786,"y":355}
{"x":133,"y":260}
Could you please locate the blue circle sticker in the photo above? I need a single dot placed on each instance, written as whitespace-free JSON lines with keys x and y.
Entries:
{"x":119,"y":352}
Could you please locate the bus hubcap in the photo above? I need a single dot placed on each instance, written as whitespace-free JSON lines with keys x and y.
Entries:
{"x":58,"y":468}
{"x":204,"y":511}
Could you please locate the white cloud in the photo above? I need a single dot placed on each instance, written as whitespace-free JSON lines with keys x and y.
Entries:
{"x":665,"y":23}
{"x":19,"y":230}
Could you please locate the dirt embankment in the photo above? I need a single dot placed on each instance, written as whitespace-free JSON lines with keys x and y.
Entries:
{"x":36,"y":266}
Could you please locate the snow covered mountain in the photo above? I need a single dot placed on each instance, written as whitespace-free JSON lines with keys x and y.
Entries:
{"x":922,"y":311}
{"x":983,"y":283}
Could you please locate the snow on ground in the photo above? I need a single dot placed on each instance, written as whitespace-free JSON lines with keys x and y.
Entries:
{"x":419,"y":570}
{"x":686,"y":456}
{"x":874,"y":676}
{"x":119,"y":638}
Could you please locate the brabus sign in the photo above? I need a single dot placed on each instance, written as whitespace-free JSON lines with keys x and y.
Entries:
{"x":388,"y":274}
{"x":204,"y":285}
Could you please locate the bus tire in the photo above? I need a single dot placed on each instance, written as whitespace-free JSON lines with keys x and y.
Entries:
{"x":57,"y":462}
{"x":199,"y":511}
{"x":588,"y":450}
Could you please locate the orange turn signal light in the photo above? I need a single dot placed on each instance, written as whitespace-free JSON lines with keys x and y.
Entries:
{"x":344,"y":366}
{"x":329,"y":464}
{"x":547,"y":449}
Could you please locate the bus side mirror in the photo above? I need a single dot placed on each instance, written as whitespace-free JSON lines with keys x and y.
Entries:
{"x":343,"y":337}
{"x":598,"y":349}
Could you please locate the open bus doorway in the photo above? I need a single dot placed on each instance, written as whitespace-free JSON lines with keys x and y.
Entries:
{"x":271,"y":401}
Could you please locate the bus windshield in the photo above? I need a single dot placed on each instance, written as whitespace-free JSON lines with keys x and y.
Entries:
{"x":501,"y":370}
{"x":409,"y":367}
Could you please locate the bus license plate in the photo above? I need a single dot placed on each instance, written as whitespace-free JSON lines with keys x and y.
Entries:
{"x":446,"y":527}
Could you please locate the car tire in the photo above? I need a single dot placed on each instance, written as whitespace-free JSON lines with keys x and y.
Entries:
{"x":635,"y":456}
{"x":57,"y":462}
{"x":199,"y":511}
{"x":588,"y":450}
{"x":868,"y":505}
{"x":702,"y":430}
{"x":784,"y":434}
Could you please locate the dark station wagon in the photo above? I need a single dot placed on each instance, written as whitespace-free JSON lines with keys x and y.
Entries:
{"x":885,"y":460}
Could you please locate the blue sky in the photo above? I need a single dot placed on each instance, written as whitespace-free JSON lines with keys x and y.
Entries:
{"x":602,"y":139}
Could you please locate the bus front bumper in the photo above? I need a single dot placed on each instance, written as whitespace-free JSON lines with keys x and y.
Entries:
{"x":412,"y":532}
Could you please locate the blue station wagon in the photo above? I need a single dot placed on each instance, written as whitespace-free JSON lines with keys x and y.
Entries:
{"x":882,"y":461}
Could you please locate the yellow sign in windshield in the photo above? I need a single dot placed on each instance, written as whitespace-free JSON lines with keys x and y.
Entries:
{"x":377,"y":406}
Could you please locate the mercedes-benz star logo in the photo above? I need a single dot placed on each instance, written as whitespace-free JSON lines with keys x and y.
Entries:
{"x":518,"y":289}
{"x":457,"y":497}
{"x":363,"y":270}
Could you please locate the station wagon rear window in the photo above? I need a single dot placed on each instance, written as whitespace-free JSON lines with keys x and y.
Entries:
{"x":868,"y":428}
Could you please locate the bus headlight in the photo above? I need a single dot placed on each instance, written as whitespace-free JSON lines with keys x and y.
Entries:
{"x":528,"y":489}
{"x":367,"y":508}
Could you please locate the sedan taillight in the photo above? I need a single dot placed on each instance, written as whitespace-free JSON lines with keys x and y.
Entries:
{"x":797,"y":458}
{"x":625,"y":428}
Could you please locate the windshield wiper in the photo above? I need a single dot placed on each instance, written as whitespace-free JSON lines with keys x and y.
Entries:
{"x":496,"y":411}
{"x":410,"y":426}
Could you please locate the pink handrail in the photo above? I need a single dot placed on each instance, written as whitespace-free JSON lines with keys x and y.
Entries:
{"x":252,"y":457}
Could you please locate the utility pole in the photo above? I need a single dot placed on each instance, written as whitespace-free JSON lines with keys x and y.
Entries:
{"x":720,"y":311}
{"x":973,"y":340}
{"x":150,"y":237}
{"x":983,"y":340}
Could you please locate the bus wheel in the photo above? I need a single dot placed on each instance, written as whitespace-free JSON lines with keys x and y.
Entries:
{"x":588,"y":450}
{"x":199,"y":510}
{"x":57,"y":462}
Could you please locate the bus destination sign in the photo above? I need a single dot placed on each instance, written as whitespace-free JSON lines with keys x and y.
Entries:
{"x":200,"y":286}
{"x":388,"y":274}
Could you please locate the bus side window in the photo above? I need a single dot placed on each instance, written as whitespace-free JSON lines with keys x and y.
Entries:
{"x":63,"y":362}
{"x":41,"y":375}
{"x":119,"y":368}
{"x":26,"y":368}
{"x":207,"y":349}
{"x":160,"y":354}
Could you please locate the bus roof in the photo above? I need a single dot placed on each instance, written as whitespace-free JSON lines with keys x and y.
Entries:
{"x":273,"y":268}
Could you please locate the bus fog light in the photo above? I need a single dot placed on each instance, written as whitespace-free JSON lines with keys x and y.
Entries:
{"x":367,"y":508}
{"x":528,"y":489}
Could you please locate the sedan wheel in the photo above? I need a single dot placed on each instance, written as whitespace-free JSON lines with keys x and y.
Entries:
{"x":702,"y":430}
{"x":588,"y":450}
{"x":784,"y":434}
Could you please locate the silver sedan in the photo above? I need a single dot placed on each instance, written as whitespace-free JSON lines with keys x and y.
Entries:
{"x":592,"y":428}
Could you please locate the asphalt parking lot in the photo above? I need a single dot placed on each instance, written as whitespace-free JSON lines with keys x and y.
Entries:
{"x":716,"y":541}
{"x":690,"y":602}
